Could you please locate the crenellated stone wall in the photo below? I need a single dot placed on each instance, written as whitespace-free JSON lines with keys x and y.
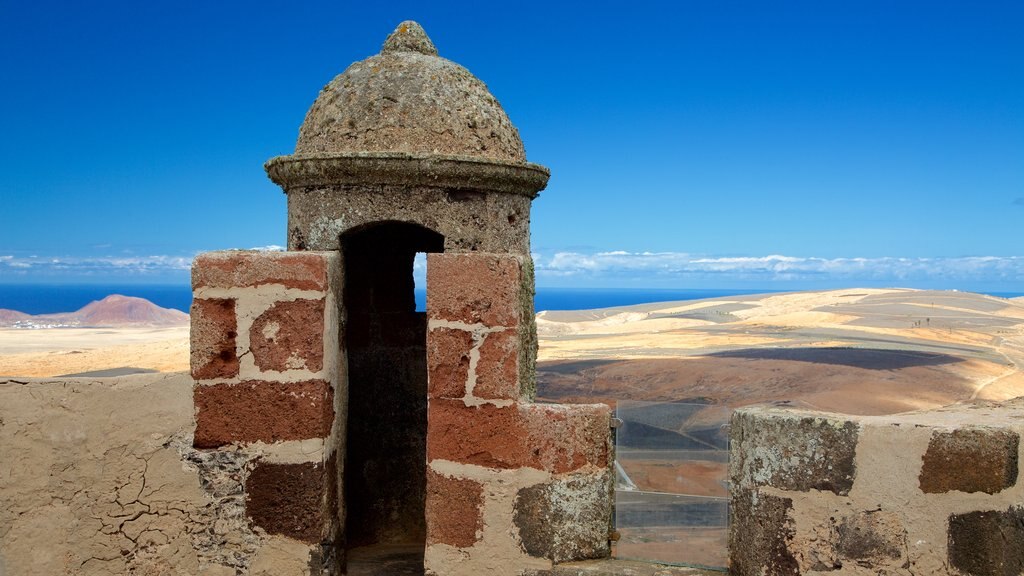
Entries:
{"x":511,"y":485}
{"x":267,"y":365}
{"x":935,"y":492}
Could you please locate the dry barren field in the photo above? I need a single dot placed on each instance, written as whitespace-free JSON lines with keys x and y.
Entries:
{"x":864,"y":351}
{"x":852,"y":351}
{"x":60,"y":351}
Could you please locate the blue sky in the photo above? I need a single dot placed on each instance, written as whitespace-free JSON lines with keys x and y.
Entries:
{"x":774,"y":145}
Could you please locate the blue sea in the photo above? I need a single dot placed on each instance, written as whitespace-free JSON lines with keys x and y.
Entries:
{"x":48,"y":298}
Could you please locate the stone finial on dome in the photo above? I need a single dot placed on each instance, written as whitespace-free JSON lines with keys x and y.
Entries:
{"x":409,"y":37}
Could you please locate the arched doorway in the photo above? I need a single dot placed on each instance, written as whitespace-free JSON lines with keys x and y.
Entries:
{"x":384,"y":338}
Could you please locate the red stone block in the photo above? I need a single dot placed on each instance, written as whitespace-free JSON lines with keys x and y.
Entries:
{"x":289,"y":336}
{"x":259,"y":411}
{"x":289,"y":499}
{"x":212,"y":339}
{"x":497,"y":371}
{"x":454,"y":510}
{"x":250,"y":268}
{"x":474,"y":288}
{"x":566,"y":437}
{"x":448,"y":362}
{"x":548,"y":437}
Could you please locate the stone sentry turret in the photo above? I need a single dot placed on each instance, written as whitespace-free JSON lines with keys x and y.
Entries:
{"x":409,"y":136}
{"x":370,"y":429}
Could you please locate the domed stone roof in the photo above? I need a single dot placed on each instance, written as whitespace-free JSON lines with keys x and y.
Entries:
{"x":407,"y":99}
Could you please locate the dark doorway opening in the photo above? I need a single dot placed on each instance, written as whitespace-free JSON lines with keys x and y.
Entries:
{"x":385,"y":341}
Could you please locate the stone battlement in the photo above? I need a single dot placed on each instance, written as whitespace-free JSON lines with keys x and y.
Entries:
{"x":934,"y":492}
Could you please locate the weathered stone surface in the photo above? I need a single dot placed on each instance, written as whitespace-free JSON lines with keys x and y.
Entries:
{"x":448,"y":362}
{"x":874,"y":539}
{"x":474,"y":288}
{"x":105,"y":496}
{"x":793,"y":451}
{"x":566,"y":519}
{"x":252,"y":268}
{"x":548,"y":437}
{"x":469,"y":221}
{"x":262,"y":411}
{"x":407,"y":99}
{"x":454,"y":510}
{"x":988,"y":543}
{"x":281,"y":556}
{"x":212,"y":340}
{"x":527,"y":334}
{"x":970,"y":460}
{"x":497,"y":371}
{"x":760,"y":530}
{"x":566,"y":437}
{"x":289,"y":336}
{"x":288,"y":499}
{"x":458,"y":177}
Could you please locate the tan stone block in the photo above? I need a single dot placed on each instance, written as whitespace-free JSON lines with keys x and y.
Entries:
{"x":280,"y":556}
{"x":289,"y":336}
{"x":497,"y":371}
{"x":448,"y":362}
{"x":262,"y":412}
{"x":970,"y":460}
{"x":251,"y":268}
{"x":876,"y":538}
{"x":474,"y":288}
{"x":212,"y":340}
{"x":567,"y":518}
{"x":454,"y":510}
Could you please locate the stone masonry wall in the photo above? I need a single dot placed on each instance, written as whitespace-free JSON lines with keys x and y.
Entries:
{"x":934,"y":493}
{"x":512,"y":486}
{"x":265,"y":358}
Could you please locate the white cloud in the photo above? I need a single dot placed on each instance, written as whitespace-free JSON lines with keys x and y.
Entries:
{"x":775,"y":267}
{"x":269,"y":248}
{"x":114,"y":266}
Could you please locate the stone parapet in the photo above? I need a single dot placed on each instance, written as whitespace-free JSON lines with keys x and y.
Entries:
{"x":512,"y":485}
{"x":934,"y":492}
{"x":482,"y":337}
{"x":264,"y":345}
{"x":267,"y":369}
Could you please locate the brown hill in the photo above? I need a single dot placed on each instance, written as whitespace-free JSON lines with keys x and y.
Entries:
{"x":114,"y":311}
{"x":9,"y":317}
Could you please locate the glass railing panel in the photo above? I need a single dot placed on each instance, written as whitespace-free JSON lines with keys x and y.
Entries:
{"x":672,"y":495}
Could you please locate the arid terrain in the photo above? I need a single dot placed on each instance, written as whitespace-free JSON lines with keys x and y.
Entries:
{"x":862,"y":351}
{"x":852,"y":351}
{"x":117,"y":335}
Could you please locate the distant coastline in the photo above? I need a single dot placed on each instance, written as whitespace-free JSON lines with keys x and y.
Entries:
{"x":56,"y":298}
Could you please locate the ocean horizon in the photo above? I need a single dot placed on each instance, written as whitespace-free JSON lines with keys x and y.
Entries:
{"x":54,"y":298}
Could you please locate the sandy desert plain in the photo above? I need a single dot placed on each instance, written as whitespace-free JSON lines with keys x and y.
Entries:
{"x":856,"y":351}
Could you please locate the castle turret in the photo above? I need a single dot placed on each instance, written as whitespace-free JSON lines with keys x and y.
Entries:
{"x":371,"y":426}
{"x":408,"y":136}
